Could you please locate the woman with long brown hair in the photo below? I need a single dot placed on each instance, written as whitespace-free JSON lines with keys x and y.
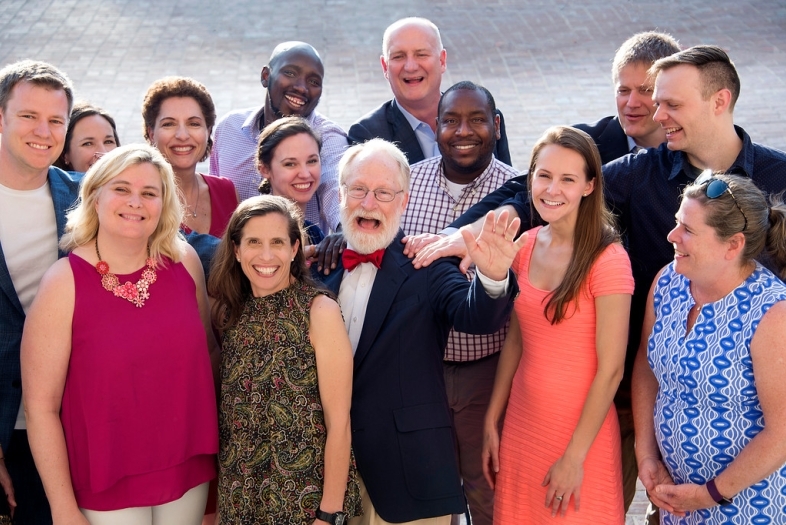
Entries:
{"x":565,"y":351}
{"x":286,"y":377}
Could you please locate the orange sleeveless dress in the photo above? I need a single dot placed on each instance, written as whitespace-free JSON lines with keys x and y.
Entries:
{"x":557,"y":366}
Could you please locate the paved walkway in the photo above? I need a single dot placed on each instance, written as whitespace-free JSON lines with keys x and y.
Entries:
{"x":546,"y":61}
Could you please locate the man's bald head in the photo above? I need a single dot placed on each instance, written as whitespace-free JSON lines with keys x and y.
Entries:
{"x":293,"y":79}
{"x":413,"y":21}
{"x":286,"y":48}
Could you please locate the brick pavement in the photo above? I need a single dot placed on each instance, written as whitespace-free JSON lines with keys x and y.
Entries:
{"x":546,"y":61}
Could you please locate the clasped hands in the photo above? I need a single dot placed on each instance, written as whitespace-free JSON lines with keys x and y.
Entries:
{"x":663,"y":492}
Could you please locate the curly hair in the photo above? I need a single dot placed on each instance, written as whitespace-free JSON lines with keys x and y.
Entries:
{"x":182,"y":87}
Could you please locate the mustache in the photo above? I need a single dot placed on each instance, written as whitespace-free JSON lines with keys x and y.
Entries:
{"x":373,"y":215}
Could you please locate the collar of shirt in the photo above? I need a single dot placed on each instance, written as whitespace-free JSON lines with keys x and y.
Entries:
{"x":251,"y":126}
{"x":632,"y":146}
{"x":743,"y":164}
{"x":423,"y":132}
{"x":467,"y":188}
{"x":353,"y":296}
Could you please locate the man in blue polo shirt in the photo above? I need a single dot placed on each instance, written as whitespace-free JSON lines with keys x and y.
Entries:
{"x":695,"y":93}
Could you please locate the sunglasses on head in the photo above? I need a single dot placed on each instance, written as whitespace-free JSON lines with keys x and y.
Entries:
{"x":714,"y":188}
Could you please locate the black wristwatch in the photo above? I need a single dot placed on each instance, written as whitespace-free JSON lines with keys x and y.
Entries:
{"x":339,"y":518}
{"x":716,"y":495}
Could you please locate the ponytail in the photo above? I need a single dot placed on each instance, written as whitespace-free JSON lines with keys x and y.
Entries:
{"x":774,"y":254}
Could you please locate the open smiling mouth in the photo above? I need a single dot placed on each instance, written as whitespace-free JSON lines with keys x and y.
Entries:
{"x":295,"y":102}
{"x":265,"y":270}
{"x":671,"y":131}
{"x":368,"y":224}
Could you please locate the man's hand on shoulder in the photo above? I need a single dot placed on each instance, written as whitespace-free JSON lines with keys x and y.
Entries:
{"x":446,"y":246}
{"x":413,"y":244}
{"x":327,"y":253}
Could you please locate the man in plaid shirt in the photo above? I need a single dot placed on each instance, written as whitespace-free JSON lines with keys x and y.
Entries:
{"x":441,"y":189}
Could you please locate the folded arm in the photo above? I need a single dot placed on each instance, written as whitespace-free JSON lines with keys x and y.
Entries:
{"x":652,"y":471}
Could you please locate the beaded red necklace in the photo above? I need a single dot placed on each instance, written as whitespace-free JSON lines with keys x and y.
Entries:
{"x":136,"y":293}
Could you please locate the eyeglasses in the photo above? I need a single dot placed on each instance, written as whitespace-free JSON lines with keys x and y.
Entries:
{"x":381,"y":194}
{"x":717,"y":187}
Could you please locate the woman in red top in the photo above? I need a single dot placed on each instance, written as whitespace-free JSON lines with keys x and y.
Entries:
{"x":116,"y":356}
{"x":179,"y":116}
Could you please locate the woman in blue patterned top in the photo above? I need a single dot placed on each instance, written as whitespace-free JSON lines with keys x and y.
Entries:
{"x":712,"y":369}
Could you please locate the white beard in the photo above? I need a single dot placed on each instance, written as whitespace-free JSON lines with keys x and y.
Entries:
{"x":366,"y":243}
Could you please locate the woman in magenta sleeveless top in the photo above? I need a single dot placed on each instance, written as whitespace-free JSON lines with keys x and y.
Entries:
{"x":117,"y":356}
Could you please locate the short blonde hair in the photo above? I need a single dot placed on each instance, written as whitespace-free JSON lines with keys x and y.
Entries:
{"x":82,"y":225}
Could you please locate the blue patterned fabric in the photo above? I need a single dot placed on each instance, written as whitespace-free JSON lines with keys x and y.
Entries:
{"x":707,"y":409}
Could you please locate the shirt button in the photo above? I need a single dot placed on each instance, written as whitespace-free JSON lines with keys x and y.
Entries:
{"x":354,"y":319}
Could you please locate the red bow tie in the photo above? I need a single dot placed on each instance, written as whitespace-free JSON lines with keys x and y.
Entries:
{"x":351,"y":258}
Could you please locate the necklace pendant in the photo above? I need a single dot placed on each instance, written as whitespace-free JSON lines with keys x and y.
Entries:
{"x":136,"y":293}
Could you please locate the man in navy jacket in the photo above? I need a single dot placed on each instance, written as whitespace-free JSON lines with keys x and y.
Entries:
{"x":398,"y":320}
{"x":413,"y":61}
{"x":632,"y":128}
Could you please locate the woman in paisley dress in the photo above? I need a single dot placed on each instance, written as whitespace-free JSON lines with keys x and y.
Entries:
{"x":712,"y":361}
{"x":286,"y":377}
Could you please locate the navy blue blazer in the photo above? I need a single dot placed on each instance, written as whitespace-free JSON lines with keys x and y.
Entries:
{"x":608,"y":135}
{"x":389,"y":123}
{"x":402,"y":431}
{"x":65,"y":190}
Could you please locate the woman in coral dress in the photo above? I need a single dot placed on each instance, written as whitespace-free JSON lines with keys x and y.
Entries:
{"x":559,"y":454}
